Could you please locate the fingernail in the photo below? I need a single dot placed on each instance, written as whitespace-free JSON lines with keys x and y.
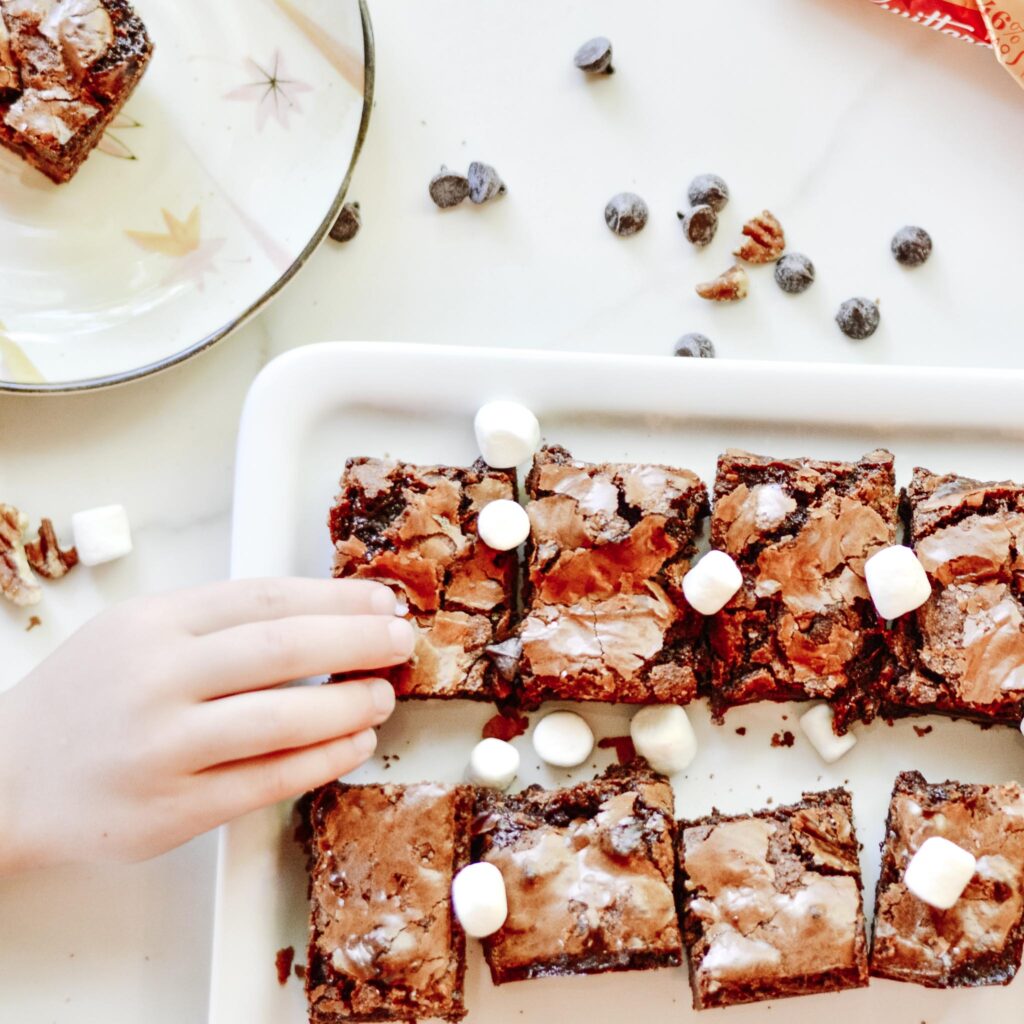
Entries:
{"x":364,"y":743}
{"x":403,"y":638}
{"x":383,"y":601}
{"x":382,"y":696}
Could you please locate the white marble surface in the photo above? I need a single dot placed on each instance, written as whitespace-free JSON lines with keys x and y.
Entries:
{"x":844,"y":121}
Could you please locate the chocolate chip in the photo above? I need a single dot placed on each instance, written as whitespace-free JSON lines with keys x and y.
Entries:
{"x":347,"y":226}
{"x":595,"y":56}
{"x":858,"y":318}
{"x":626,"y":213}
{"x":794,"y":273}
{"x":699,"y":223}
{"x":447,"y":188}
{"x":698,"y":346}
{"x":911,"y":246}
{"x":708,"y":190}
{"x":484,"y":183}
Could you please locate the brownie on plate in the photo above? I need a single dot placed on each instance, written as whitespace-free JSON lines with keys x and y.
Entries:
{"x":802,"y":626}
{"x":589,"y":876}
{"x":66,"y":69}
{"x":414,"y":527}
{"x":384,"y":943}
{"x":962,"y":652}
{"x":604,"y":616}
{"x":979,"y":940}
{"x":771,"y":902}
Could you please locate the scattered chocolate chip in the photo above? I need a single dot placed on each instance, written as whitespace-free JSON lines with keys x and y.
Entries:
{"x":33,"y":622}
{"x":699,"y":224}
{"x":484,"y":183}
{"x":697,"y":346}
{"x":447,"y":188}
{"x":710,"y":190}
{"x":922,"y":730}
{"x":505,"y":657}
{"x":595,"y":56}
{"x":783,"y":739}
{"x":765,"y":239}
{"x":283,"y":963}
{"x":626,"y":213}
{"x":858,"y":318}
{"x":623,"y":746}
{"x":794,"y":273}
{"x":347,"y":226}
{"x":911,"y":246}
{"x":730,"y":286}
{"x":741,"y":731}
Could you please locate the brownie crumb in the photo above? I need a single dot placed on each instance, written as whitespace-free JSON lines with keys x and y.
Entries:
{"x":33,"y":621}
{"x":922,"y":730}
{"x":299,"y":970}
{"x":783,"y":739}
{"x":283,"y":963}
{"x":622,"y":745}
{"x":741,"y":731}
{"x":505,"y":726}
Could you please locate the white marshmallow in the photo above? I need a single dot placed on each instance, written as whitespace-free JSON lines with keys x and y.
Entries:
{"x":816,"y":725}
{"x":479,"y":899}
{"x":563,"y":739}
{"x":939,"y":872}
{"x":663,"y":734}
{"x":710,"y":584}
{"x":102,"y":534}
{"x":507,"y":433}
{"x":493,"y":763}
{"x":897,"y":581}
{"x":503,"y":524}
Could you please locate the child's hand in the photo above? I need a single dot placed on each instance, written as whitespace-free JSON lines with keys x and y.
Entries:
{"x":163,"y":717}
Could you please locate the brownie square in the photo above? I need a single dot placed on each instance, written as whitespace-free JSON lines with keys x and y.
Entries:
{"x":962,"y":652}
{"x":384,"y":943}
{"x":414,"y":528}
{"x":589,"y":875}
{"x":979,"y":940}
{"x":802,"y":626}
{"x":604,"y":614}
{"x":66,"y":70}
{"x":771,"y":902}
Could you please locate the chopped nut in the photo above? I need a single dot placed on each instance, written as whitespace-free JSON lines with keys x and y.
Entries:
{"x":17,"y":583}
{"x":45,"y":554}
{"x":765,"y":240}
{"x":727,"y":287}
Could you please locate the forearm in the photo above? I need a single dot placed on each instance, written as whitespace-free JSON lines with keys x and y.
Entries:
{"x":16,"y":847}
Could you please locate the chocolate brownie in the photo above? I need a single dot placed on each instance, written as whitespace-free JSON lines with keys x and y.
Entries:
{"x":414,"y":527}
{"x":771,"y":902}
{"x":803,"y":625}
{"x":589,"y":875}
{"x":979,"y":940}
{"x":604,"y":614}
{"x":384,"y":943}
{"x":66,"y":69}
{"x":962,"y":652}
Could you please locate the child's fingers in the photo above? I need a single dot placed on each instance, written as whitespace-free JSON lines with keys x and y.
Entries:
{"x":253,"y":724}
{"x":230,"y":790}
{"x":232,"y":603}
{"x":261,"y":654}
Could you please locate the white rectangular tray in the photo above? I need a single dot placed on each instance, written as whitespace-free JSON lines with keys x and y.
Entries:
{"x":312,"y":408}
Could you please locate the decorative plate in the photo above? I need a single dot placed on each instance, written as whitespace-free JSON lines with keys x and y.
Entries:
{"x":211,"y":189}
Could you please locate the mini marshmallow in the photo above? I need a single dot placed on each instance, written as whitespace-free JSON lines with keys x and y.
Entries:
{"x":507,"y":433}
{"x":662,"y":733}
{"x":102,"y":534}
{"x":710,"y":584}
{"x":816,"y":725}
{"x":479,"y":899}
{"x":493,"y":763}
{"x":563,"y":739}
{"x":939,"y":872}
{"x":503,"y":524}
{"x":897,"y":581}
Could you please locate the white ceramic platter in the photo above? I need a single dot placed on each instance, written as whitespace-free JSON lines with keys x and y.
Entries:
{"x":315,"y":406}
{"x":209,"y":191}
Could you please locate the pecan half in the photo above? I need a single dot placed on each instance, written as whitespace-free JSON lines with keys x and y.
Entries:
{"x":17,"y":583}
{"x":729,"y":286}
{"x":45,"y":554}
{"x":765,"y":240}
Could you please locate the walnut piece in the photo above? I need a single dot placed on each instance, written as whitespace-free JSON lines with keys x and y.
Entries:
{"x":17,"y":583}
{"x":45,"y":555}
{"x":765,"y":240}
{"x":729,"y":286}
